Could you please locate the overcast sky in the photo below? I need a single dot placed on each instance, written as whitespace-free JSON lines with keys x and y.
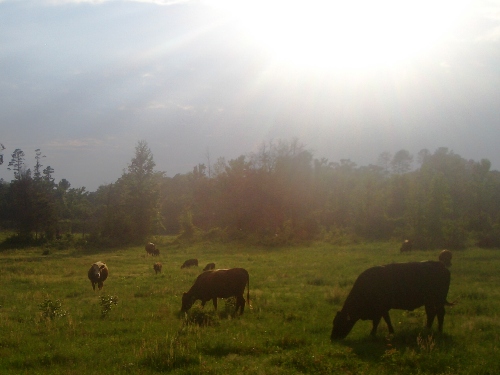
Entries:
{"x":84,"y":81}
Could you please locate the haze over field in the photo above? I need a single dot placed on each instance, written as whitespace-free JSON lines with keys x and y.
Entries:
{"x":85,"y":80}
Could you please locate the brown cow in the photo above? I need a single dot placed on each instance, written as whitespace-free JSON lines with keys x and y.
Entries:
{"x":157,"y":267}
{"x":98,"y":272}
{"x":209,"y":266}
{"x":407,"y":245}
{"x":190,"y":263}
{"x":156,"y":252}
{"x":214,"y":284}
{"x":150,"y":248}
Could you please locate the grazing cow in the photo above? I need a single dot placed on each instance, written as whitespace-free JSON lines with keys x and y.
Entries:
{"x":209,"y":266}
{"x":214,"y":284}
{"x":156,"y":252}
{"x":404,"y":286}
{"x":445,"y":257}
{"x":150,"y":248}
{"x":190,"y":263}
{"x":157,"y":267}
{"x":98,"y":272}
{"x":407,"y":245}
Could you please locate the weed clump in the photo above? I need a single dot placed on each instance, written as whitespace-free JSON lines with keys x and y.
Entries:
{"x":168,"y":354}
{"x":318,"y":281}
{"x":51,"y":309}
{"x":229,"y":307}
{"x":107,"y":303}
{"x":201,"y":318}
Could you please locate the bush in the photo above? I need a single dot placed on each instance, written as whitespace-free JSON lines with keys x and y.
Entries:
{"x":490,"y":239}
{"x":51,"y":309}
{"x":107,"y":303}
{"x":18,"y":241}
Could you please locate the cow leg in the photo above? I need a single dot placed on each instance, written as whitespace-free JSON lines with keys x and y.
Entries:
{"x":440,"y":315}
{"x":431,"y":314}
{"x":375,"y":321}
{"x":387,"y":319}
{"x":93,"y":285}
{"x":240,"y":303}
{"x":100,"y":285}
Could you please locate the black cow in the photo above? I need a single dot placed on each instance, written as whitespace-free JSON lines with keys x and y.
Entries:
{"x":209,"y":266}
{"x":403,"y":286}
{"x":190,"y":263}
{"x":210,"y":285}
{"x":407,"y":245}
{"x":98,"y":272}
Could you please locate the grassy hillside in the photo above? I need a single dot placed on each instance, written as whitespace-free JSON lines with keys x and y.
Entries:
{"x":294,"y":292}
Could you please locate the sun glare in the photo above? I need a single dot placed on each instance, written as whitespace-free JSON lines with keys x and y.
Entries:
{"x":349,"y":34}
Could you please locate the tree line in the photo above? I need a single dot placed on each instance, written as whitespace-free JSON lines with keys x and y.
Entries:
{"x":279,"y":195}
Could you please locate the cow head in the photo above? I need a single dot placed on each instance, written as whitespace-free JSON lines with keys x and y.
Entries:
{"x":96,"y":271}
{"x":445,"y":257}
{"x":187,"y":302}
{"x":342,"y":325}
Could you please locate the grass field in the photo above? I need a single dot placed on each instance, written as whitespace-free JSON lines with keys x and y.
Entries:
{"x":52,"y":322}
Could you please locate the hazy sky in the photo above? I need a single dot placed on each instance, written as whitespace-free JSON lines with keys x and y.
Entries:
{"x":84,"y":81}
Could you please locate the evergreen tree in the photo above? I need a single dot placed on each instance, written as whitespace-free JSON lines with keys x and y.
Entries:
{"x":140,"y":188}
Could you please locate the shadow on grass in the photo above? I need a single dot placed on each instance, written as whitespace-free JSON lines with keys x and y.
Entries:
{"x":207,"y":316}
{"x":424,"y":350}
{"x":414,"y":339}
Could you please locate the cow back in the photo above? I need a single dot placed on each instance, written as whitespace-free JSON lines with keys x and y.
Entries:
{"x":397,"y":286}
{"x":418,"y":283}
{"x":223,"y":283}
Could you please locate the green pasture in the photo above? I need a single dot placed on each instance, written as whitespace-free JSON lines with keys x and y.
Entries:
{"x":52,"y":322}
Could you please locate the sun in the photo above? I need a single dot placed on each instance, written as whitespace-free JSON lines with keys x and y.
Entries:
{"x":344,"y":34}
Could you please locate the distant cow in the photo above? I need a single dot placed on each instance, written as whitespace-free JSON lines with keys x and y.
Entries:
{"x":445,"y":257}
{"x":190,"y":263}
{"x":403,"y":286}
{"x":214,"y":284}
{"x":209,"y":266}
{"x":98,"y":272}
{"x":150,"y":248}
{"x":407,"y":245}
{"x":156,"y":252}
{"x":157,"y":267}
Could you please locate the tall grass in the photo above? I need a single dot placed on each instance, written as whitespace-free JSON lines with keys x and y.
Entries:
{"x":52,"y":322}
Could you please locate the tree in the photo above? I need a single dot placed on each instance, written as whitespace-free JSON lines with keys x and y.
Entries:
{"x":2,"y":147}
{"x":401,"y":162}
{"x":32,"y":202}
{"x":384,"y":161}
{"x":141,"y":192}
{"x":47,"y":174}
{"x":77,"y":207}
{"x":37,"y":175}
{"x":17,"y":164}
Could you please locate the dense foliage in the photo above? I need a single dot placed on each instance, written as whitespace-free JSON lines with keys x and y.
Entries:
{"x":280,"y":194}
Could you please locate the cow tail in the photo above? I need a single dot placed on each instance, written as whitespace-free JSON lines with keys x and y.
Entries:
{"x":248,"y":293}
